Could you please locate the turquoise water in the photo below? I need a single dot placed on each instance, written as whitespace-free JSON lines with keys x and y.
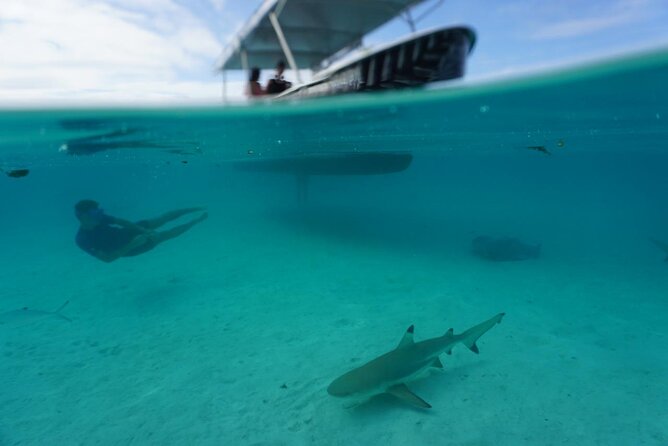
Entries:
{"x":231,"y":333}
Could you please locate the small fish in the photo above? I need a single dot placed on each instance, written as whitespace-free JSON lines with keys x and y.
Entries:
{"x":25,"y":316}
{"x":16,"y":173}
{"x":192,"y":151}
{"x":540,"y":149}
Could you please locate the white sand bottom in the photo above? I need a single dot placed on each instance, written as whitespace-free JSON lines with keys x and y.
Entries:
{"x":236,"y":345}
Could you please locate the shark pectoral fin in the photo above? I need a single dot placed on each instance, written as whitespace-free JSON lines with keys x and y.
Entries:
{"x":407,"y":339}
{"x":402,"y":392}
{"x":437,"y":364}
{"x":449,"y":334}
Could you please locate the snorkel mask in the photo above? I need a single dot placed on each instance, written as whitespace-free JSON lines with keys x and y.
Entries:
{"x":96,"y":213}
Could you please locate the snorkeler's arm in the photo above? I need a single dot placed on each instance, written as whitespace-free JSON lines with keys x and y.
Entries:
{"x":127,"y":224}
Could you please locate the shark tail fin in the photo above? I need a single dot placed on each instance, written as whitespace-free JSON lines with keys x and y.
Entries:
{"x":470,"y":336}
{"x":59,"y":314}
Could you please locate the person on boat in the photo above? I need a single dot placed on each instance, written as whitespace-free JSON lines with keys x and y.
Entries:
{"x":254,"y":88}
{"x":278,"y":84}
{"x":109,"y":238}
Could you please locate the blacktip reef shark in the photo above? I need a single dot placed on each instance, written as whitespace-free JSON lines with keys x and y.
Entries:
{"x":25,"y":316}
{"x":408,"y":362}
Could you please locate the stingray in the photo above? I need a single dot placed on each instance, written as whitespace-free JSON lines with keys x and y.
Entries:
{"x":25,"y":316}
{"x":503,"y":249}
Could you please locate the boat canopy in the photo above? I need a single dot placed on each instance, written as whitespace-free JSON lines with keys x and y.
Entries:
{"x":306,"y":32}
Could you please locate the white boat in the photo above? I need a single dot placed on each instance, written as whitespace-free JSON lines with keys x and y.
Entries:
{"x":315,"y":34}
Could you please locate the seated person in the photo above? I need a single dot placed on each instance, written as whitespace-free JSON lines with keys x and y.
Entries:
{"x":109,"y":238}
{"x":254,"y":88}
{"x":278,"y":84}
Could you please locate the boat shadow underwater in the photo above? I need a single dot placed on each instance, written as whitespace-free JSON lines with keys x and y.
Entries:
{"x":411,"y":233}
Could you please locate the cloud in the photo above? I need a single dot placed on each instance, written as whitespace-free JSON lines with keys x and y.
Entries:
{"x":77,"y":49}
{"x":219,"y":5}
{"x":622,"y":12}
{"x":579,"y":27}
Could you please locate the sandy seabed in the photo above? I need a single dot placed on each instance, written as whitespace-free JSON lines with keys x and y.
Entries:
{"x":231,"y":334}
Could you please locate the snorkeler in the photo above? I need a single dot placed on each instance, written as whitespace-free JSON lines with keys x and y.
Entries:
{"x":109,"y":238}
{"x":278,"y":84}
{"x":254,"y":88}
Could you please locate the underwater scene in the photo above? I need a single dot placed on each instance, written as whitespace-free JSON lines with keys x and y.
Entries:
{"x":479,"y":264}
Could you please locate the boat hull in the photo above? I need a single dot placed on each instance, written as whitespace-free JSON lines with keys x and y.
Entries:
{"x":343,"y":163}
{"x":418,"y":60}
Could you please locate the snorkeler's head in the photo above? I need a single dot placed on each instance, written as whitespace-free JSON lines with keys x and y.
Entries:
{"x":87,"y":210}
{"x":280,"y":67}
{"x":84,"y":206}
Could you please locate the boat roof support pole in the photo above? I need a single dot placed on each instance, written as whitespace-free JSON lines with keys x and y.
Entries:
{"x":224,"y":86}
{"x":279,"y":8}
{"x":244,"y":60}
{"x":284,"y":44}
{"x":429,"y":11}
{"x":409,"y":20}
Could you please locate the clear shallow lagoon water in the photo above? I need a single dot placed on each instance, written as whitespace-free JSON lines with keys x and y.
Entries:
{"x":231,"y":333}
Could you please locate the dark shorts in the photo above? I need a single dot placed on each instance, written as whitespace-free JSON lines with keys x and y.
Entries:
{"x":142,"y":249}
{"x":108,"y":238}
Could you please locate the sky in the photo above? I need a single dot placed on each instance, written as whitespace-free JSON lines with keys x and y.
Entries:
{"x":78,"y":52}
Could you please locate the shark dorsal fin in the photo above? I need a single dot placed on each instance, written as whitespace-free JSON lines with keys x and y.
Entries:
{"x":404,"y":393}
{"x":407,"y":339}
{"x":448,"y":334}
